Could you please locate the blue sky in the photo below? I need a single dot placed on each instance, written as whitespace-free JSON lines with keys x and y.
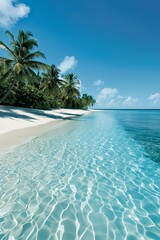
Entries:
{"x":113,"y":46}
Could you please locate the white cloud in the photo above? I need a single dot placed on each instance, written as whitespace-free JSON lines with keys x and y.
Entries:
{"x":106,"y":93}
{"x":67,"y":64}
{"x":111,"y":102}
{"x":11,"y":11}
{"x":120,"y":97}
{"x":98,"y":83}
{"x":130,"y":101}
{"x":154,"y":98}
{"x":108,"y":97}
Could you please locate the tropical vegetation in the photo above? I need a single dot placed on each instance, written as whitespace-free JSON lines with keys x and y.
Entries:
{"x":27,"y":82}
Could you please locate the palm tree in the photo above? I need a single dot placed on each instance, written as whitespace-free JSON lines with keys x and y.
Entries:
{"x":70,"y":89}
{"x":71,"y":85}
{"x":22,"y":63}
{"x":51,"y":82}
{"x":87,"y":101}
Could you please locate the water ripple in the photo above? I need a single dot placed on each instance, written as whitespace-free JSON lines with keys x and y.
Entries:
{"x":88,"y":181}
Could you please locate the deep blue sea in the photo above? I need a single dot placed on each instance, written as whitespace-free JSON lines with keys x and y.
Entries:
{"x":95,"y":178}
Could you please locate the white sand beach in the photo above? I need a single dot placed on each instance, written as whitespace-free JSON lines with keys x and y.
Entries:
{"x":18,"y":124}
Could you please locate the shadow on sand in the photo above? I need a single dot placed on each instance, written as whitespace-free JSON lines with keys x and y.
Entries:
{"x":7,"y":112}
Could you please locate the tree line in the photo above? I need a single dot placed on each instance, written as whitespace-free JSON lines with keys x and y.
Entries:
{"x":27,"y":82}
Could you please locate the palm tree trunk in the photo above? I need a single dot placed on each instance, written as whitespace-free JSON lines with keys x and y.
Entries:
{"x":8,"y":92}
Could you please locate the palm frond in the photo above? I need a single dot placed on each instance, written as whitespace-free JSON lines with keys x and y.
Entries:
{"x":24,"y":39}
{"x":10,"y":35}
{"x":18,"y":68}
{"x":8,"y":74}
{"x":28,"y":34}
{"x":4,"y":46}
{"x":28,"y":74}
{"x":3,"y":59}
{"x":44,"y":75}
{"x":30,"y":43}
{"x":37,"y":65}
{"x":31,"y":72}
{"x":5,"y":64}
{"x":34,"y":55}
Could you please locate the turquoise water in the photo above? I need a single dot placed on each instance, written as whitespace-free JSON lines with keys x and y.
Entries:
{"x":98,"y":177}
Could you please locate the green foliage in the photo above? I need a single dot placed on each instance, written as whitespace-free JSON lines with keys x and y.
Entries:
{"x":51,"y":82}
{"x":22,"y":61}
{"x":26,"y":82}
{"x":4,"y":86}
{"x":87,"y":101}
{"x":30,"y":96}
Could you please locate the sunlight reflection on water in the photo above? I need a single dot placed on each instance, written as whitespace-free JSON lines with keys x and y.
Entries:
{"x":90,"y":180}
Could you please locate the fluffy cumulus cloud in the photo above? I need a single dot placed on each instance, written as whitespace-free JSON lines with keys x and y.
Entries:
{"x":67,"y":64}
{"x":98,"y":83}
{"x":106,"y":93}
{"x":11,"y":11}
{"x":155,"y":98}
{"x":108,"y":97}
{"x":129,"y":101}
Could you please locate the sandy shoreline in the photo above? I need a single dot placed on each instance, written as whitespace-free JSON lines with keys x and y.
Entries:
{"x":17,"y":125}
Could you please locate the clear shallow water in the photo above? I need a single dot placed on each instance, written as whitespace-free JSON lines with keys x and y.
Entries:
{"x":90,"y":180}
{"x":144,"y":125}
